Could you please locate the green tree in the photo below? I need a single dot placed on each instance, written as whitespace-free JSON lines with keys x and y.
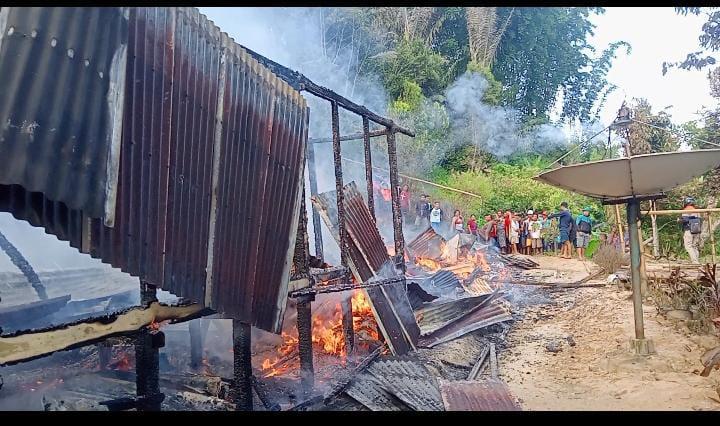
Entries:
{"x":545,"y":51}
{"x":709,"y":40}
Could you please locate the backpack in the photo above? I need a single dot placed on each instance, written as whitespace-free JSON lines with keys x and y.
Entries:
{"x":695,"y":225}
{"x":584,"y":226}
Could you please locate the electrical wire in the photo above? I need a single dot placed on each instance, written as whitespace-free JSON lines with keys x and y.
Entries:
{"x":578,"y":146}
{"x":671,"y":131}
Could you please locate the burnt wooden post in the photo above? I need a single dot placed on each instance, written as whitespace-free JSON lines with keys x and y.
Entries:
{"x":342,"y":231}
{"x":198,"y":331}
{"x":301,"y":270}
{"x":317,"y":229}
{"x":104,"y":355}
{"x":397,"y":214}
{"x":242,"y":367}
{"x":368,"y":168}
{"x":147,"y":358}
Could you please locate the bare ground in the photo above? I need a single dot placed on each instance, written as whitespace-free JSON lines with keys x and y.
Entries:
{"x":573,"y":353}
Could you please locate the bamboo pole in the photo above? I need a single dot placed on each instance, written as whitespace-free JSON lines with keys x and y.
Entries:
{"x":655,"y":240}
{"x":712,"y":236}
{"x":419,"y":180}
{"x":669,"y":212}
{"x":619,"y":226}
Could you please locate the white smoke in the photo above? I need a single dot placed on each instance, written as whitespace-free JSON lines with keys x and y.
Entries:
{"x":494,"y":129}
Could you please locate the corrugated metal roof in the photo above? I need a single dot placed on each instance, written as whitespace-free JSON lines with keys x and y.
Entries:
{"x":60,"y":101}
{"x":437,"y":315}
{"x":368,"y":260}
{"x":490,"y":395}
{"x":428,"y":244}
{"x":210,"y":164}
{"x":475,"y":320}
{"x":441,"y":283}
{"x":409,"y":381}
{"x":367,"y":390}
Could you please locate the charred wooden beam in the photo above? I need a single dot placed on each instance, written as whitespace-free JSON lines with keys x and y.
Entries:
{"x":348,"y":331}
{"x":23,"y":265}
{"x":353,"y":136}
{"x":27,"y":345}
{"x":263,"y":395}
{"x":396,"y":213}
{"x":368,"y":168}
{"x":147,"y":358}
{"x":317,"y":228}
{"x":300,"y":82}
{"x":304,"y":326}
{"x":198,"y":331}
{"x":242,"y":367}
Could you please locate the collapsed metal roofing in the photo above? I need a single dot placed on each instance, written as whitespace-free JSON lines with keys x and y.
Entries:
{"x":489,"y":395}
{"x":144,"y":145}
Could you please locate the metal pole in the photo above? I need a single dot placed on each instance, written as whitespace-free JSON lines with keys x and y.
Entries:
{"x":368,"y":168}
{"x":242,"y":367}
{"x":317,"y":230}
{"x":640,"y":344}
{"x":397,"y":215}
{"x":342,"y":231}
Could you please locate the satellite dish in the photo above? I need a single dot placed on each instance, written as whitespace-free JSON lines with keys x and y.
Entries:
{"x":640,"y":175}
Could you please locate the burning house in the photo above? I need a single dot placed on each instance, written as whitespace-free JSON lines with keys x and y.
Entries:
{"x":143,"y":145}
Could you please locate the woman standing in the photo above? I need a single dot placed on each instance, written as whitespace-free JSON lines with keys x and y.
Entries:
{"x":501,"y":235}
{"x":472,"y":225}
{"x":457,"y":223}
{"x":514,"y":233}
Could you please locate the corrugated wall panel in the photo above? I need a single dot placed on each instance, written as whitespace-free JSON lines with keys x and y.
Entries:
{"x":175,"y":81}
{"x":55,"y":100}
{"x":196,"y":74}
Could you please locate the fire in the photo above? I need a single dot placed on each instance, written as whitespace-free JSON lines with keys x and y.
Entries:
{"x":430,"y":264}
{"x":328,"y":336}
{"x":445,"y":250}
{"x":121,"y":362}
{"x":481,"y":261}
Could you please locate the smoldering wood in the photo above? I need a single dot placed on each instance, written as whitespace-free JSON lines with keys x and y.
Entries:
{"x":481,"y":360}
{"x":27,"y":345}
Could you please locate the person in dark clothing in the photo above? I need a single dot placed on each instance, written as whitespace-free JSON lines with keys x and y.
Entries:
{"x":422,"y":212}
{"x":565,"y":224}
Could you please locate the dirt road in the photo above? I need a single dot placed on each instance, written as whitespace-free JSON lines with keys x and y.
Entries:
{"x":573,"y":354}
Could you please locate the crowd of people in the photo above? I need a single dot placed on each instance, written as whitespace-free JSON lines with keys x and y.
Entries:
{"x":529,"y":233}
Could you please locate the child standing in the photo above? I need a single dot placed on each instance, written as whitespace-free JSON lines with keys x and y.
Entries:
{"x":501,"y":235}
{"x":535,"y":229}
{"x":457,"y":223}
{"x":514,"y":233}
{"x":436,"y":217}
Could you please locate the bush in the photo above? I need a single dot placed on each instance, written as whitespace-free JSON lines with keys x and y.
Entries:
{"x":609,"y":259}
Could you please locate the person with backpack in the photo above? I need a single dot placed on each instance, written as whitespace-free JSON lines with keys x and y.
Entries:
{"x":692,"y":228}
{"x":583,"y":233}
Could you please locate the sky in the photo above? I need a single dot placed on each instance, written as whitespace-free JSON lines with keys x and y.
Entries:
{"x":656,"y":34}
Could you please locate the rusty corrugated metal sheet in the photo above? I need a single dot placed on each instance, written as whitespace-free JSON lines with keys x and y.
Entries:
{"x":209,"y":175}
{"x":409,"y":381}
{"x":60,"y":102}
{"x":438,"y":315}
{"x":483,"y":317}
{"x":489,"y":395}
{"x":390,"y":303}
{"x":428,"y":244}
{"x":258,"y":202}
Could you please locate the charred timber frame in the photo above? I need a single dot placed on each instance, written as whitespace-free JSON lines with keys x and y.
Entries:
{"x":337,"y":157}
{"x":242,"y":387}
{"x":147,"y":358}
{"x":368,"y":167}
{"x":397,"y":215}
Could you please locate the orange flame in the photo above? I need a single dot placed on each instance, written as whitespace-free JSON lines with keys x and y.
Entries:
{"x":482,"y":262}
{"x":431,"y":265}
{"x":328,"y":336}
